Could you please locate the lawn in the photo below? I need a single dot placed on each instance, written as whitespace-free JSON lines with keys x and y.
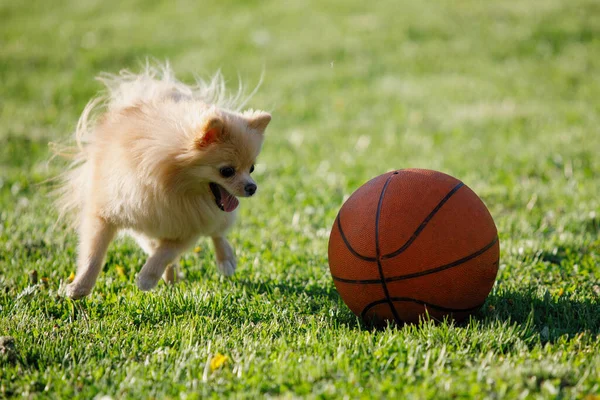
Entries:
{"x":503,"y":95}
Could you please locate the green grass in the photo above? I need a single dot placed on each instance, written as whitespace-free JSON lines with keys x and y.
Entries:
{"x":503,"y":95}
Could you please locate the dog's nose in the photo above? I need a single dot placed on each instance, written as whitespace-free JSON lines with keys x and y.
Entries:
{"x":250,"y":189}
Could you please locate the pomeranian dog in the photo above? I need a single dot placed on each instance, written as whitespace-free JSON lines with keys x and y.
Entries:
{"x":164,"y":162}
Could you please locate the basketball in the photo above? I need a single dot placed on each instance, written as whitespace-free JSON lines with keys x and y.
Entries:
{"x":413,"y":244}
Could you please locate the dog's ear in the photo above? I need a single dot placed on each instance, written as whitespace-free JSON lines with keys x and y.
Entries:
{"x":212,"y":131}
{"x":258,"y":120}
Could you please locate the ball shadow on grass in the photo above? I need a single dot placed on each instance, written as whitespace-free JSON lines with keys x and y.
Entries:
{"x":550,"y":316}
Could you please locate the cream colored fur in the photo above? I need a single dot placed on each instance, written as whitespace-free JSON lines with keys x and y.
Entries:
{"x":145,"y":155}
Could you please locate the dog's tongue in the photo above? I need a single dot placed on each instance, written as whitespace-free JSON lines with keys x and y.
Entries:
{"x":228,"y":201}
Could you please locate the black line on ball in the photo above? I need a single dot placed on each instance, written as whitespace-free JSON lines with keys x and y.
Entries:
{"x":447,"y":266}
{"x":378,"y":252}
{"x":347,"y":243}
{"x":426,"y":272}
{"x":357,"y":281}
{"x":424,"y":223}
{"x":417,"y":301}
{"x":363,"y":313}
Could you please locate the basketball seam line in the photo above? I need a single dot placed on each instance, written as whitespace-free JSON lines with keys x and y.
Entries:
{"x":423,"y":224}
{"x":410,"y":240}
{"x":423,"y":273}
{"x":347,"y":243}
{"x":413,"y":300}
{"x":378,"y":251}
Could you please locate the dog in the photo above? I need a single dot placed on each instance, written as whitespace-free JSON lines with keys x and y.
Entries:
{"x":164,"y":162}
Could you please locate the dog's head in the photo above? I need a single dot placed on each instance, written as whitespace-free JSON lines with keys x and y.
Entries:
{"x":223,"y":153}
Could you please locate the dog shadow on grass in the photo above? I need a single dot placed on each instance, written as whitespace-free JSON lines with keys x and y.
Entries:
{"x":317,"y":299}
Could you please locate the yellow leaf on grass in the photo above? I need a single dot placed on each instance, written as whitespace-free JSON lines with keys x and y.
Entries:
{"x":71,"y":277}
{"x":197,"y":249}
{"x":120,"y":270}
{"x":217,"y":361}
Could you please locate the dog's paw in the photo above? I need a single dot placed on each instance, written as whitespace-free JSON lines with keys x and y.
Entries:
{"x":227,"y":266}
{"x":145,"y":282}
{"x":76,"y":291}
{"x":173,"y":274}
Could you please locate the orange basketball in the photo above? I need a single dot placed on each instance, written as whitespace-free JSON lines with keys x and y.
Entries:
{"x":412,"y":243}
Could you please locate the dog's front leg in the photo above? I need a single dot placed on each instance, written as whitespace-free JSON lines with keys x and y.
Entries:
{"x":94,"y":236}
{"x":225,"y":256}
{"x":165,"y":253}
{"x":173,"y":273}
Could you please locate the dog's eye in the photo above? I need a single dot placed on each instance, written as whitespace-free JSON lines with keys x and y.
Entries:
{"x":227,"y":172}
{"x":252,"y":168}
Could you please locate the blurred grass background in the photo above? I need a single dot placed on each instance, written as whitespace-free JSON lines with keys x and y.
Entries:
{"x":503,"y":95}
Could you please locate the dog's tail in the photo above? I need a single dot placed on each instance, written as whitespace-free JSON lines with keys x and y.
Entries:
{"x":71,"y":183}
{"x":157,"y":81}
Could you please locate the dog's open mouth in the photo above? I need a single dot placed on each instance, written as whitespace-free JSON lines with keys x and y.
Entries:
{"x":225,"y":200}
